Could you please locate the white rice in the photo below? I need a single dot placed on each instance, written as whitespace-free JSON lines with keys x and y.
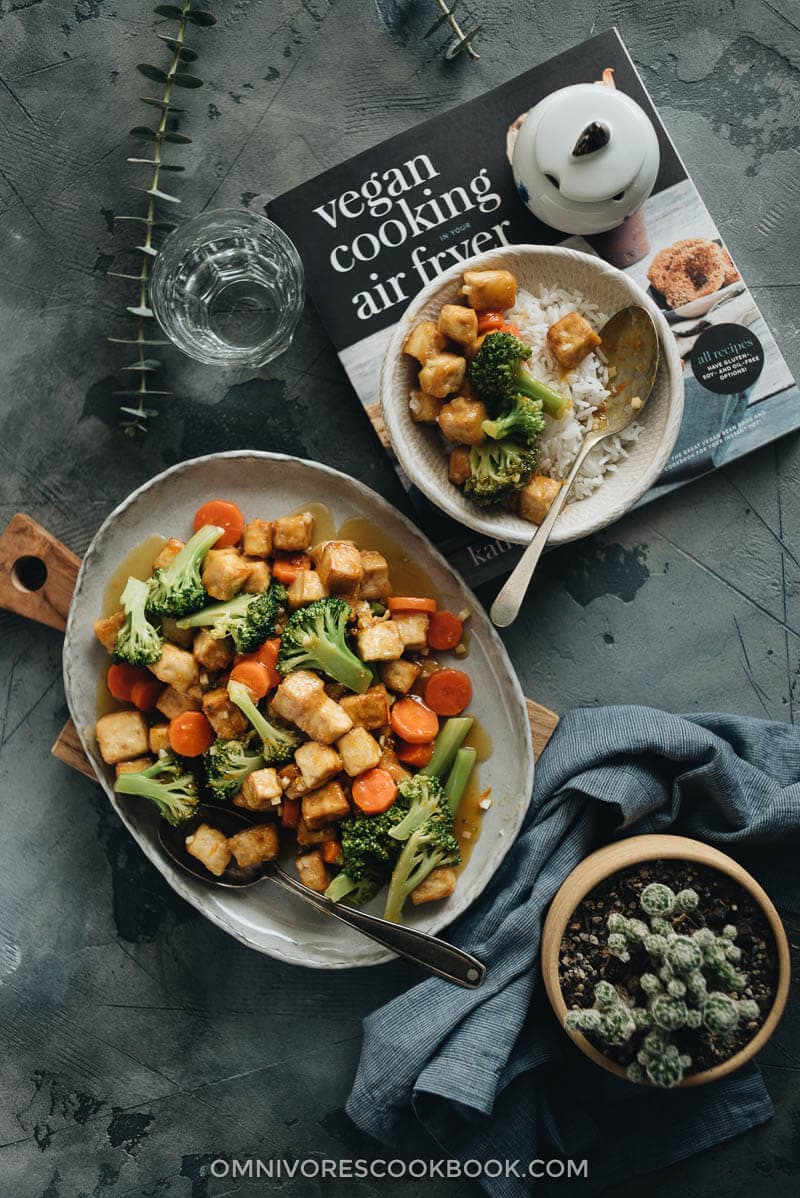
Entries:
{"x":586,"y":386}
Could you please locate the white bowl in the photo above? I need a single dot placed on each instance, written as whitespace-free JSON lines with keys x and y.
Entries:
{"x":419,"y":446}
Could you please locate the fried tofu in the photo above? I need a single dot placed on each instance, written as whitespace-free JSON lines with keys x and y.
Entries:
{"x":458,"y":465}
{"x":379,"y":641}
{"x":339,"y":566}
{"x":570,"y":339}
{"x":370,"y":710}
{"x":324,"y":806}
{"x":210,"y":847}
{"x":172,"y":703}
{"x":223,"y":715}
{"x":375,"y":579}
{"x":182,"y":637}
{"x":158,"y":737}
{"x":122,"y":736}
{"x":291,"y":781}
{"x":317,"y":763}
{"x":535,"y":498}
{"x":306,"y":587}
{"x":167,"y":553}
{"x":413,"y":629}
{"x":306,"y":837}
{"x":293,"y":533}
{"x":212,"y":653}
{"x":391,"y":763}
{"x":301,"y":700}
{"x":359,"y":751}
{"x":106,"y":629}
{"x":458,"y":323}
{"x":461,"y":419}
{"x":439,"y":884}
{"x":225,"y":572}
{"x":442,"y":375}
{"x":132,"y":767}
{"x":424,"y":341}
{"x":177,"y":668}
{"x":255,"y":845}
{"x":259,"y":576}
{"x":261,"y":791}
{"x":312,"y":871}
{"x":424,"y":408}
{"x":490,"y":290}
{"x":258,"y":538}
{"x":400,"y":675}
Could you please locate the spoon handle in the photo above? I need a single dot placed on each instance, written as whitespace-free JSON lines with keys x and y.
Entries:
{"x":433,"y":954}
{"x":505,"y":608}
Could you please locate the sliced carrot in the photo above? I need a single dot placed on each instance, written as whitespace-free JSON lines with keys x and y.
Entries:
{"x":411,"y":603}
{"x":509,"y":328}
{"x":490,"y":322}
{"x":330,"y":851}
{"x":252,"y":674}
{"x":190,"y":734}
{"x":290,"y":813}
{"x":374,"y":791}
{"x":417,"y":755}
{"x":286,"y":566}
{"x":267,"y":655}
{"x":225,"y":515}
{"x":448,"y":692}
{"x":121,"y":679}
{"x":413,"y":721}
{"x":445,"y":630}
{"x":145,"y":694}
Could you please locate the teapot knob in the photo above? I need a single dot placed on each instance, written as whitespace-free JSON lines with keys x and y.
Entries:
{"x":593,"y":138}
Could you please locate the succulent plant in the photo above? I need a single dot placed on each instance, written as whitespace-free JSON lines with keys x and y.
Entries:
{"x":686,"y":984}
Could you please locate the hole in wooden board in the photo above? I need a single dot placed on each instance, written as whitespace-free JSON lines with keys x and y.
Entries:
{"x":29,"y":573}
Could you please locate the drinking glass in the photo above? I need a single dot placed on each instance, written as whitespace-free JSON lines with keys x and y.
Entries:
{"x":227,"y":288}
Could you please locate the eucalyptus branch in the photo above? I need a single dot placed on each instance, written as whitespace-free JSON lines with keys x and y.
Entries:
{"x":462,"y":42}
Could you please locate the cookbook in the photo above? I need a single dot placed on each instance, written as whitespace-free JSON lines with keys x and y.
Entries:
{"x":376,"y":229}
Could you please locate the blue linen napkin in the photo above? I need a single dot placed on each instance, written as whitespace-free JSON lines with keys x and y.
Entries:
{"x":488,"y":1073}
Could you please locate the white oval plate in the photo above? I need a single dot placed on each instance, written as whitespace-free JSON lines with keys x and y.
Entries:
{"x":419,"y":446}
{"x":266,"y":485}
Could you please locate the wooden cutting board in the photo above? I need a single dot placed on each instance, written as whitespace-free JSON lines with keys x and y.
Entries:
{"x":37,"y":579}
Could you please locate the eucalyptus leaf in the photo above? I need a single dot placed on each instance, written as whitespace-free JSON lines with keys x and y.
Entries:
{"x":185,"y":53}
{"x":147,"y":249}
{"x":140,"y":310}
{"x":171,"y":166}
{"x":164,"y":105}
{"x":150,"y":72}
{"x":169,"y":10}
{"x":182,"y":80}
{"x":200,"y":17}
{"x":135,"y":394}
{"x":158,"y":194}
{"x":162,"y":166}
{"x":118,"y":274}
{"x":138,"y":412}
{"x":148,"y":365}
{"x":137,"y":341}
{"x":145,"y":132}
{"x":455,"y":49}
{"x":443,"y":19}
{"x":177,"y":139}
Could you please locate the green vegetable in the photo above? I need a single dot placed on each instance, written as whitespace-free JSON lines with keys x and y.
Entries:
{"x":279,"y":744}
{"x":315,"y":639}
{"x":523,"y":421}
{"x":248,"y":619}
{"x":430,"y":842}
{"x":498,"y":469}
{"x":450,"y":739}
{"x":228,"y":764}
{"x":424,"y":796}
{"x":368,"y":851}
{"x":459,"y":776}
{"x":167,"y":784}
{"x":497,"y":374}
{"x":177,"y":589}
{"x":138,"y":642}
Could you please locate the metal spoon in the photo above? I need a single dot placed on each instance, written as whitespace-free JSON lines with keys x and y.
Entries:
{"x":630,"y":344}
{"x":433,"y":954}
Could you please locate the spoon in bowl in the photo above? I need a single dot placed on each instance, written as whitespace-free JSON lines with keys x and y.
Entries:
{"x":629,"y":343}
{"x":431,"y":953}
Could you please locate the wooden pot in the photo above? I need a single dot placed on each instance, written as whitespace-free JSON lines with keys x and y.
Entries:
{"x":618,"y":856}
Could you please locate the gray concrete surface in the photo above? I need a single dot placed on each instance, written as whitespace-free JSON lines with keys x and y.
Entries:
{"x":139,"y":1043}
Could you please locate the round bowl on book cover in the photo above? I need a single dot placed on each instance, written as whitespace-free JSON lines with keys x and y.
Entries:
{"x":420,"y":448}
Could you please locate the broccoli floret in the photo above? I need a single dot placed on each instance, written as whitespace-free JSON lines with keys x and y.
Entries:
{"x":279,"y":744}
{"x":430,"y":843}
{"x":228,"y":763}
{"x":177,"y":589}
{"x":368,"y":851}
{"x":138,"y":642}
{"x":167,"y":784}
{"x":497,"y":374}
{"x":248,"y":619}
{"x":314,"y":639}
{"x":497,"y":469}
{"x":523,"y":421}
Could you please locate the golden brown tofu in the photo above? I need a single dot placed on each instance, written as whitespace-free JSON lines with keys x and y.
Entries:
{"x":291,"y":781}
{"x":122,"y":736}
{"x":380,"y":641}
{"x":458,"y":323}
{"x":172,"y":703}
{"x":442,"y":375}
{"x":440,"y":883}
{"x":301,"y":699}
{"x":259,"y":576}
{"x":182,"y":637}
{"x":261,"y":791}
{"x":225,"y":572}
{"x":359,"y":751}
{"x":490,"y":290}
{"x":293,"y":533}
{"x":258,"y":538}
{"x":400,"y":675}
{"x":167,"y":553}
{"x":370,"y":710}
{"x":536,"y":497}
{"x":306,"y":587}
{"x":305,"y":836}
{"x":570,"y":339}
{"x":177,"y":668}
{"x":324,"y":806}
{"x":132,"y":767}
{"x":424,"y":408}
{"x":255,"y":845}
{"x":312,"y":871}
{"x":158,"y":737}
{"x":224,"y":716}
{"x":107,"y":628}
{"x":317,"y":763}
{"x":339,"y":566}
{"x":458,"y":465}
{"x":460,"y":420}
{"x":210,"y":847}
{"x":413,"y":629}
{"x":389,"y":762}
{"x":424,"y":341}
{"x":375,"y":579}
{"x":211,"y":653}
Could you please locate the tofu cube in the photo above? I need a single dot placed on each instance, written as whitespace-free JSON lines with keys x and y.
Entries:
{"x":370,"y":710}
{"x":132,"y":767}
{"x":424,"y":408}
{"x":210,"y":847}
{"x":424,"y":341}
{"x":458,"y":466}
{"x":339,"y":566}
{"x":293,"y":533}
{"x":400,"y":675}
{"x":301,"y":700}
{"x":439,"y":884}
{"x":177,"y":668}
{"x":327,"y":722}
{"x":490,"y":290}
{"x":167,"y":553}
{"x":312,"y":872}
{"x":306,"y":837}
{"x":458,"y":323}
{"x":225,"y":572}
{"x":307,"y":587}
{"x":413,"y":629}
{"x":461,"y":419}
{"x":442,"y":375}
{"x":258,"y":538}
{"x":106,"y":629}
{"x":122,"y":736}
{"x":359,"y":751}
{"x":158,"y":738}
{"x":259,"y":576}
{"x":255,"y":845}
{"x":389,"y":762}
{"x":223,"y":715}
{"x":570,"y":339}
{"x":291,"y":781}
{"x":324,"y":806}
{"x":182,"y":637}
{"x":380,"y":641}
{"x":375,"y":579}
{"x":211,"y":653}
{"x":536,"y":497}
{"x":317,"y":763}
{"x":171,"y":703}
{"x":261,"y":791}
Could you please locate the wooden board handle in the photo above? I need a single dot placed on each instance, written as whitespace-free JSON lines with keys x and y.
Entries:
{"x":37,"y":573}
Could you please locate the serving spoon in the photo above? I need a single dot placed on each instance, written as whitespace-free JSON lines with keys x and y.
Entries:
{"x":433,"y":954}
{"x":629,"y":343}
